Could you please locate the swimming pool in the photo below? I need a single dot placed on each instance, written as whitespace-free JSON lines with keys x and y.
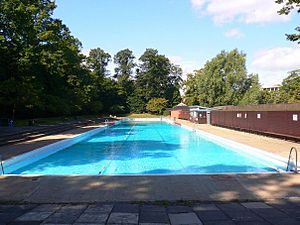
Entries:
{"x":130,"y":148}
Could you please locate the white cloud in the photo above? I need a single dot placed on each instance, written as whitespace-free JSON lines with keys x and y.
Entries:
{"x":234,"y":33}
{"x":186,"y":66}
{"x":273,"y":64}
{"x":246,"y":11}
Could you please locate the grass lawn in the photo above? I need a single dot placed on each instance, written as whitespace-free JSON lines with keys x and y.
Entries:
{"x":141,"y":115}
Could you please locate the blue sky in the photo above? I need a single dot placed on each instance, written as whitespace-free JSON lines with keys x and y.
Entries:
{"x":189,"y":32}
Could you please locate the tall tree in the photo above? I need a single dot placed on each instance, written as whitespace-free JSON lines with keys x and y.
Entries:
{"x":152,"y":76}
{"x":175,"y":81}
{"x":124,"y":61}
{"x":40,"y":62}
{"x":191,"y":90}
{"x":290,"y":88}
{"x":157,"y":78}
{"x":125,"y":64}
{"x":104,"y":90}
{"x":253,"y":94}
{"x":98,"y":60}
{"x":290,"y":5}
{"x":222,"y":81}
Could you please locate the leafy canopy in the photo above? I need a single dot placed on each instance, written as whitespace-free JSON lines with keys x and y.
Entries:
{"x":156,"y":105}
{"x":289,"y":6}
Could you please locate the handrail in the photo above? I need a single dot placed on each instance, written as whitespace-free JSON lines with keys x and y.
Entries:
{"x":2,"y":168}
{"x":296,"y":167}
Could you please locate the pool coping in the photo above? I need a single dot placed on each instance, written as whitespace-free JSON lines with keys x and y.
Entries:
{"x":20,"y":161}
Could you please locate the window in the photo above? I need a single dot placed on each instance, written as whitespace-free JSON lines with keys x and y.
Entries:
{"x":239,"y":115}
{"x":258,"y":116}
{"x":245,"y":115}
{"x":295,"y":117}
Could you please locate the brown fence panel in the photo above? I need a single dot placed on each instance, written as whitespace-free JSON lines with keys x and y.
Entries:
{"x":279,"y":123}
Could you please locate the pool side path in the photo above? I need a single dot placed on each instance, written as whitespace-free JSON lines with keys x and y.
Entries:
{"x":273,"y":145}
{"x":202,"y":188}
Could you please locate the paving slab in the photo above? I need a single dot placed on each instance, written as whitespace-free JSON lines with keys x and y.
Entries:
{"x":153,"y":208}
{"x":8,"y":217}
{"x":126,"y":208}
{"x":231,"y":207}
{"x":46,"y":208}
{"x":34,"y":216}
{"x":284,"y":221}
{"x":252,"y":223}
{"x":179,"y":209}
{"x":243,"y":216}
{"x":185,"y":218}
{"x":99,"y":208}
{"x":25,"y":223}
{"x":58,"y":218}
{"x":153,"y":217}
{"x":154,"y":224}
{"x":123,"y":218}
{"x":92,"y":218}
{"x":212,"y":216}
{"x":57,"y":224}
{"x":224,"y":222}
{"x":205,"y":207}
{"x":256,"y":205}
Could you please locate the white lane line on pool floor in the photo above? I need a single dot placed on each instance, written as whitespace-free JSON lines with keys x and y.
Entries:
{"x":111,"y":158}
{"x":165,"y":143}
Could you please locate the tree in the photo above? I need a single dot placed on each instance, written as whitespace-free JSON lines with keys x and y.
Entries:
{"x":253,"y":94}
{"x":40,"y":64}
{"x":124,"y":61}
{"x":290,"y":5}
{"x":290,"y":88}
{"x":157,"y":78}
{"x":173,"y":86}
{"x":98,"y":60}
{"x":222,"y":81}
{"x":104,"y":90}
{"x":191,"y":90}
{"x":156,"y":105}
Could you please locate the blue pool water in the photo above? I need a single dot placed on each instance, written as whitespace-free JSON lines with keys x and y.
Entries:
{"x":145,"y":148}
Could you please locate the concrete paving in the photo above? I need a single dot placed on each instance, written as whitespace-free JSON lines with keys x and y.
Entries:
{"x":203,"y":188}
{"x":268,"y":213}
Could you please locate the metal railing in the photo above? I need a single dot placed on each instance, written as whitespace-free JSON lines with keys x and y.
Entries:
{"x":289,"y":161}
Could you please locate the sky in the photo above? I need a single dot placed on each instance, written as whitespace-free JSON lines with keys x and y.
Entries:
{"x":188,"y":32}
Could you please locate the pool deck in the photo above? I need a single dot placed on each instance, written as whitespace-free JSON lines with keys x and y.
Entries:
{"x":273,"y":145}
{"x":196,"y":188}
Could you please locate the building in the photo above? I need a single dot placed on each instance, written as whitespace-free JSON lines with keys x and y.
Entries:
{"x":272,"y":88}
{"x":181,"y":111}
{"x":196,"y":114}
{"x":200,"y":115}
